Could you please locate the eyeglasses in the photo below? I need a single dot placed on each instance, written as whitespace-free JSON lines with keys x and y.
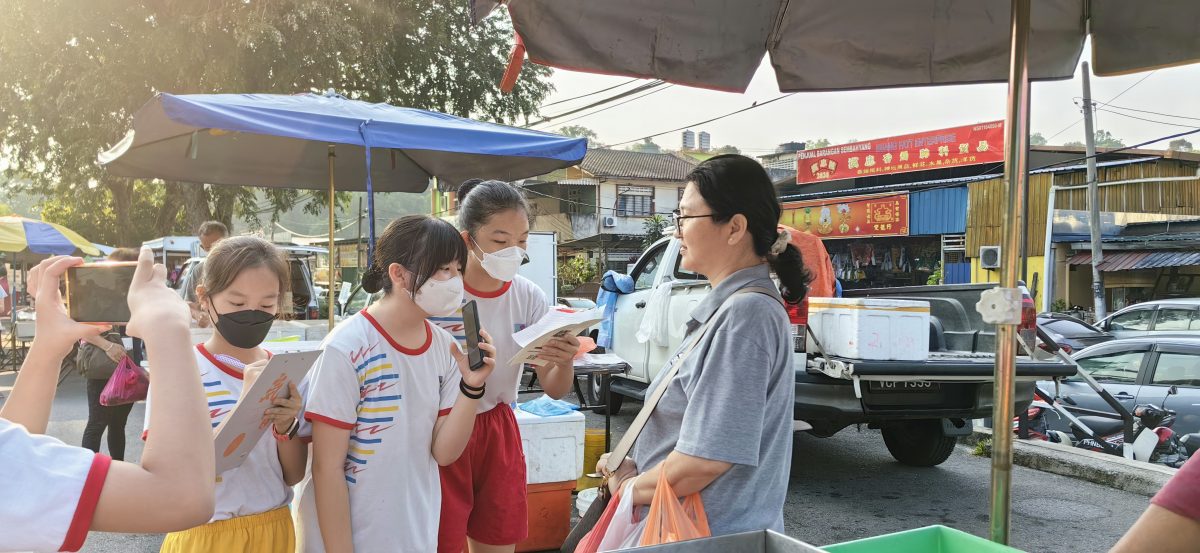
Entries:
{"x":678,"y":218}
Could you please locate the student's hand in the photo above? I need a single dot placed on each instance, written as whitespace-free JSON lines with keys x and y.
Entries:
{"x":286,"y":409}
{"x":153,"y":306}
{"x":55,"y":330}
{"x":560,"y":351}
{"x":477,"y":378}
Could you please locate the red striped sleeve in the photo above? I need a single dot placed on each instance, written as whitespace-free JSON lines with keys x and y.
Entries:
{"x":314,"y":417}
{"x":77,"y":532}
{"x":445,"y":412}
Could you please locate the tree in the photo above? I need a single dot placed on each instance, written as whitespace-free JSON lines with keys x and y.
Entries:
{"x":653,"y":228}
{"x":1104,"y":139}
{"x":646,"y":147}
{"x":727,"y":150}
{"x":816,"y":144}
{"x":579,"y":131}
{"x":72,"y":79}
{"x":576,"y":271}
{"x":1036,"y":139}
{"x":1180,"y":145}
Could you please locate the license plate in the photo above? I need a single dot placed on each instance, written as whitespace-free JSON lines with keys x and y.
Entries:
{"x":906,"y":386}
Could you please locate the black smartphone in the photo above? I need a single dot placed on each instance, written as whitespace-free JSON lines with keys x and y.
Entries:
{"x":99,"y":292}
{"x":471,"y":326}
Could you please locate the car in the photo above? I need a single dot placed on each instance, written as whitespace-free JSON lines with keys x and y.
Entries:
{"x":1136,"y":371}
{"x":577,"y":303}
{"x":305,"y":304}
{"x":1070,"y":333}
{"x":1176,"y":316}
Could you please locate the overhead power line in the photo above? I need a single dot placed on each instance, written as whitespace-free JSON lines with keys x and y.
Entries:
{"x":555,"y":103}
{"x":730,"y":114}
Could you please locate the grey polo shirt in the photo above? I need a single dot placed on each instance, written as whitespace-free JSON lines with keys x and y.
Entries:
{"x":732,"y":401}
{"x":187,"y":286}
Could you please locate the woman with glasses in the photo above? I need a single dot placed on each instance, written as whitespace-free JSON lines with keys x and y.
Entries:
{"x":723,"y":428}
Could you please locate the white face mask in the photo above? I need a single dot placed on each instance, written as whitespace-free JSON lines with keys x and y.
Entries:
{"x":502,"y":265}
{"x":440,"y":298}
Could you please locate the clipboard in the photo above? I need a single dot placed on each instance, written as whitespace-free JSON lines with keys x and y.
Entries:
{"x":244,"y":426}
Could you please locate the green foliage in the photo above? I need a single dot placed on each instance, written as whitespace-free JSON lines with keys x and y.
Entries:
{"x":727,"y":149}
{"x":1180,"y":145}
{"x":646,"y":147}
{"x":816,"y":144}
{"x":576,"y":271}
{"x":1036,"y":139}
{"x":935,"y":278}
{"x":73,"y":78}
{"x":578,"y":131}
{"x":1104,"y":139}
{"x":983,"y":448}
{"x":653,"y":228}
{"x":1058,"y":306}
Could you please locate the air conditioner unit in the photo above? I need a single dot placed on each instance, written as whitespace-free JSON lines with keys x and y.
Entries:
{"x":989,"y":257}
{"x":610,"y":221}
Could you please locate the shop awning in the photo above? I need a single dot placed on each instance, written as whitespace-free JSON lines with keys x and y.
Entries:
{"x":1134,"y":260}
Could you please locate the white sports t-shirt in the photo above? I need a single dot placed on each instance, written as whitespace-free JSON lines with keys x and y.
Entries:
{"x":257,"y":485}
{"x":50,"y":491}
{"x":390,"y":397}
{"x":515,"y":306}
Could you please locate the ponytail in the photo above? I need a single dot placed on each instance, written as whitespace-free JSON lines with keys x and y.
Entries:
{"x":793,"y":275}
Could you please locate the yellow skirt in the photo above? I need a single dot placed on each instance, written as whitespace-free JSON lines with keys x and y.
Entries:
{"x":269,"y":532}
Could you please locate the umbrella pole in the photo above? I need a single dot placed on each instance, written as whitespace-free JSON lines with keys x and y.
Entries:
{"x":332,"y":297}
{"x":1016,"y":140}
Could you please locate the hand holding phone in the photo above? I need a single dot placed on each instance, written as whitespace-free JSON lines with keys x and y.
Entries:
{"x":54,"y":329}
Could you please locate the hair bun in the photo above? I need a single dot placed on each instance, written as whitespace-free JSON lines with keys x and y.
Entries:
{"x":465,"y":188}
{"x":372,"y":280}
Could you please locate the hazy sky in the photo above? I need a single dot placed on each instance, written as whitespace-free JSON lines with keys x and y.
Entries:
{"x":863,"y":115}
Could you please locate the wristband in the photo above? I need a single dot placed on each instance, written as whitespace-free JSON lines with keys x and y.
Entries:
{"x":462,"y":387}
{"x":473,"y":388}
{"x":291,"y":432}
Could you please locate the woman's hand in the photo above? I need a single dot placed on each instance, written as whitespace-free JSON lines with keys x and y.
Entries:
{"x":476,"y":378}
{"x":560,"y":351}
{"x":628,"y":468}
{"x":55,"y":331}
{"x":114,"y":352}
{"x":285,"y":409}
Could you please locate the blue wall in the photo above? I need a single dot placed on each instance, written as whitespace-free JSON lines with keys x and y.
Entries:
{"x":939,"y":211}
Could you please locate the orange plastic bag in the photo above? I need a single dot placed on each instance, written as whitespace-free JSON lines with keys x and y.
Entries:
{"x":669,"y":520}
{"x":591,"y":541}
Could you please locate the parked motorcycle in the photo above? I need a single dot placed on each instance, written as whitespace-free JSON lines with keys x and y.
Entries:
{"x":1144,"y":434}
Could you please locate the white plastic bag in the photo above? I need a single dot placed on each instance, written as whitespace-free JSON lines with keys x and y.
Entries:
{"x":655,"y":324}
{"x":624,"y":532}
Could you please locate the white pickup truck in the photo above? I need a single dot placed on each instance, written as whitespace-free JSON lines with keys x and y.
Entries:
{"x":922,"y":407}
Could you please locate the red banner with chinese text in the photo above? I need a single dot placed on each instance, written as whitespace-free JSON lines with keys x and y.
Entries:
{"x":850,"y":217}
{"x":957,"y":147}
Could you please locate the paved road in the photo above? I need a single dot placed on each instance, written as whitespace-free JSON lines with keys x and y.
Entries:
{"x":842,"y":488}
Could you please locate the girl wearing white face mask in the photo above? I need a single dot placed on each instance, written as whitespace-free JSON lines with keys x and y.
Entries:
{"x":390,"y":399}
{"x":483,"y":494}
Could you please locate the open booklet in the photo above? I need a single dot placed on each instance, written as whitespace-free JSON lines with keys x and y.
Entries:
{"x":557,"y":323}
{"x":242,"y":428}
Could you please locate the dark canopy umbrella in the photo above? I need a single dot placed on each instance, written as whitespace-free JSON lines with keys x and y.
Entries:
{"x":854,"y":44}
{"x":290,"y":141}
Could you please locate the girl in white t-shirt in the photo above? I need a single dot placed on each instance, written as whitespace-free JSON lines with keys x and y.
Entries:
{"x":483,"y":494}
{"x":55,"y":493}
{"x":244,"y":281}
{"x":390,"y":399}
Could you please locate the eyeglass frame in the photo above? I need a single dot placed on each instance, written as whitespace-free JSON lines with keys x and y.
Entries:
{"x":677,"y":218}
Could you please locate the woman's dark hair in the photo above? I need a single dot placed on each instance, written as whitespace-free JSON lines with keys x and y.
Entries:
{"x":479,"y":200}
{"x":422,"y":244}
{"x":733,"y":184}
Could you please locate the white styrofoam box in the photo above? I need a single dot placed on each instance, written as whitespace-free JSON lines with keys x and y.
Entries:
{"x":553,"y":446}
{"x":870,"y":328}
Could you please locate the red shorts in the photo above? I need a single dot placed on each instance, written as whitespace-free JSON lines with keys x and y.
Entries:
{"x":483,"y":493}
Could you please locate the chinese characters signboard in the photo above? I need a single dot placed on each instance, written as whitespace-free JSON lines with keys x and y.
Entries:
{"x":969,"y":145}
{"x":852,"y":217}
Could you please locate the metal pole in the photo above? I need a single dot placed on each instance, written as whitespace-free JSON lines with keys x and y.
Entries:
{"x":1016,"y":140}
{"x":1025,"y":209}
{"x":332,"y":295}
{"x":358,"y":262}
{"x":1093,"y":196}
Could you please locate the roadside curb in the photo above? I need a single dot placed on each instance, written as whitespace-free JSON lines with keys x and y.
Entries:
{"x":1099,"y":468}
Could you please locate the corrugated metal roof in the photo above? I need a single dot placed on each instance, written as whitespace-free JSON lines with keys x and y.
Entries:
{"x":1134,"y":260}
{"x":602,"y":162}
{"x":938,"y":211}
{"x":953,"y":181}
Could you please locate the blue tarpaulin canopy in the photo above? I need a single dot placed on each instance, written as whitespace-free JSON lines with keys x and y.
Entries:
{"x":326,"y":141}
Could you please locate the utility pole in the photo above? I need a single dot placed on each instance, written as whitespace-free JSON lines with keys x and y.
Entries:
{"x":1093,"y":196}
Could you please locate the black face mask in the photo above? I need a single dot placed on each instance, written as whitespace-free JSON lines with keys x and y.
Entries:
{"x":243,"y":329}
